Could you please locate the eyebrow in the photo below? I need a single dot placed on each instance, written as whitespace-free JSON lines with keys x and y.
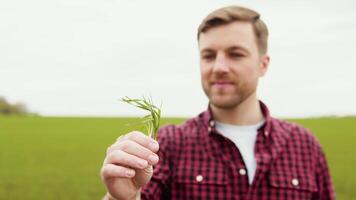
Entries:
{"x":231,"y":48}
{"x":241,"y":48}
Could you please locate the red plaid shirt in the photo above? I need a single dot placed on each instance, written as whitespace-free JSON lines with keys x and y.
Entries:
{"x":197,"y":162}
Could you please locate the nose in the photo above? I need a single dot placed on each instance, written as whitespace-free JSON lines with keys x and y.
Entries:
{"x":220,"y":65}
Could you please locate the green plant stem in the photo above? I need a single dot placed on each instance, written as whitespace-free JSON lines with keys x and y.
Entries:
{"x":152,"y":120}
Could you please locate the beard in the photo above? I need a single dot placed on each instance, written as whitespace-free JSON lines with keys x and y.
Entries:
{"x":228,"y":99}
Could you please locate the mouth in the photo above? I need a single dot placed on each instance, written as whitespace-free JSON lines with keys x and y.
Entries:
{"x":221,"y":83}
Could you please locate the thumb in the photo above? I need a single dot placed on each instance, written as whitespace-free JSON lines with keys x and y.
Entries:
{"x":143,"y":176}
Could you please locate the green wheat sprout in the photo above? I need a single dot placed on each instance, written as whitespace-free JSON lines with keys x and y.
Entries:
{"x":152,"y":120}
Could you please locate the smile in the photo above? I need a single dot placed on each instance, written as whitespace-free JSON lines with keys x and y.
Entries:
{"x":221,"y":83}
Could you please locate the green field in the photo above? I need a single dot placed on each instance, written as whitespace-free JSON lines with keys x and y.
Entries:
{"x":60,"y":158}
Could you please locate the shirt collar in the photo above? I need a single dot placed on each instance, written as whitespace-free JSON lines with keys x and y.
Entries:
{"x":272,"y":129}
{"x":208,"y":119}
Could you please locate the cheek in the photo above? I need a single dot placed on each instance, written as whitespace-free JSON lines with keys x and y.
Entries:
{"x":204,"y":72}
{"x":252,"y":77}
{"x":245,"y":75}
{"x":250,"y":69}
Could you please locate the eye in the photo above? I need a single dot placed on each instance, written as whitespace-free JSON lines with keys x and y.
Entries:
{"x":236,"y":55}
{"x":208,"y":57}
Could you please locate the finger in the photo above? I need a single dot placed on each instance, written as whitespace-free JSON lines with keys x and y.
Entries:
{"x":131,"y":147}
{"x":114,"y":146}
{"x":111,"y":171}
{"x":122,"y":158}
{"x":143,"y":140}
{"x":120,"y":137}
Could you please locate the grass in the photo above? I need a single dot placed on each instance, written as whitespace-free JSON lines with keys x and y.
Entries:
{"x":60,"y":158}
{"x":338,"y":138}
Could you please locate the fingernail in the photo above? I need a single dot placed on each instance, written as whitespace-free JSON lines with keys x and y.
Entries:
{"x":153,"y":158}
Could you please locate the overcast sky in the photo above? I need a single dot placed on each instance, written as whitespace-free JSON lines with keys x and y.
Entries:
{"x":77,"y":57}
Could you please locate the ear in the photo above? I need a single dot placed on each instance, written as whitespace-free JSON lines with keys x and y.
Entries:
{"x":264,"y":63}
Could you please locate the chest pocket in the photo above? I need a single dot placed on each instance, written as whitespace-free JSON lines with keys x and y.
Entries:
{"x":198,"y":183}
{"x":301,"y":185}
{"x":213,"y":175}
{"x":293,"y":181}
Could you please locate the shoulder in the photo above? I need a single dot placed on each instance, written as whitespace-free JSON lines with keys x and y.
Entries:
{"x":296,"y":134}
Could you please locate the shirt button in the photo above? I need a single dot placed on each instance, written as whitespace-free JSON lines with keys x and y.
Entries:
{"x":266,"y":133}
{"x":242,"y":172}
{"x":199,"y":178}
{"x":212,"y":123}
{"x":295,"y":182}
{"x":209,"y":129}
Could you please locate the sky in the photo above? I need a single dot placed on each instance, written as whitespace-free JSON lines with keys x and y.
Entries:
{"x":78,"y":57}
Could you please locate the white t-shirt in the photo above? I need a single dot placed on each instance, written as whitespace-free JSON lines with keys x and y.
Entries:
{"x":244,"y":138}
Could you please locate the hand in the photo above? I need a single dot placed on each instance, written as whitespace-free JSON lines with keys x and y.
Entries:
{"x":128,"y":165}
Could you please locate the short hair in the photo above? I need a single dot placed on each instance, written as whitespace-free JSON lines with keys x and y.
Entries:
{"x":227,"y":15}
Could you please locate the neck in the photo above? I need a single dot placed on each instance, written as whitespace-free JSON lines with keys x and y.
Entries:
{"x":246,"y":113}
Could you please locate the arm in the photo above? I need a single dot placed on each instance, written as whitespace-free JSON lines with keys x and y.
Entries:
{"x":324,"y":180}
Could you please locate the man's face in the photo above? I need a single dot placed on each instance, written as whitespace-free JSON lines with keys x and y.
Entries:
{"x":230,"y":64}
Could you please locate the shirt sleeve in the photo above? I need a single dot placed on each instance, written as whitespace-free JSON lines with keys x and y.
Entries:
{"x":324,"y":180}
{"x":158,"y":187}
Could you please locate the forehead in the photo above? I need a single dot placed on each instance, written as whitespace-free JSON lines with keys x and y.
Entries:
{"x":239,"y":34}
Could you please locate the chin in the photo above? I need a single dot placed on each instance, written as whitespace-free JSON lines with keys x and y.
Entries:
{"x":225,"y":103}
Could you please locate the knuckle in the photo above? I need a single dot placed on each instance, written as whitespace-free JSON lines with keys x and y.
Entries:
{"x":132,"y":135}
{"x":112,"y":148}
{"x":114,"y":156}
{"x":136,"y":135}
{"x":110,"y":171}
{"x":125,"y":145}
{"x":105,"y":171}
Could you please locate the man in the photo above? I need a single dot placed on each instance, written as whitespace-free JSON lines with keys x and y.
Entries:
{"x":235,"y":149}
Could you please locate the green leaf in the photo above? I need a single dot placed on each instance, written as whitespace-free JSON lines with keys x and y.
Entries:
{"x":152,"y":120}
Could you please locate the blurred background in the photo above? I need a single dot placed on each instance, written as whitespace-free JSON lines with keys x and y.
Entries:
{"x":65,"y":63}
